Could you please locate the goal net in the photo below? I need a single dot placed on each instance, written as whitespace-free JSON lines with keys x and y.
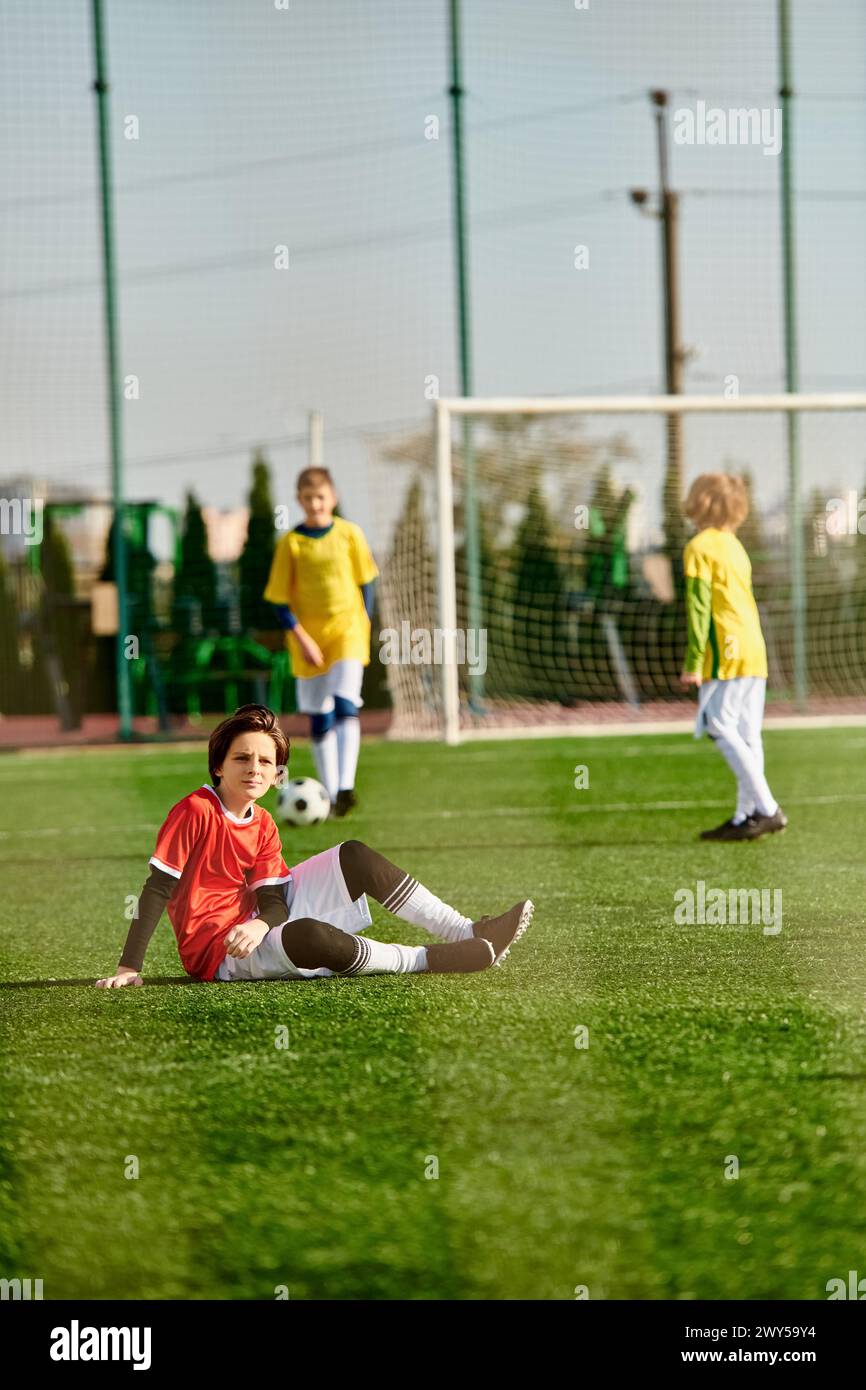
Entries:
{"x":531,"y":556}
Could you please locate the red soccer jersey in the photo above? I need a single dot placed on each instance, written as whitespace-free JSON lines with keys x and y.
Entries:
{"x":220,"y":860}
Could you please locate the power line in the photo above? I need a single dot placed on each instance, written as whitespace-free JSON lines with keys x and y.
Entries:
{"x":205,"y":452}
{"x":703,"y":93}
{"x":816,"y":195}
{"x":261,"y":259}
{"x":337,"y":152}
{"x":426,"y":231}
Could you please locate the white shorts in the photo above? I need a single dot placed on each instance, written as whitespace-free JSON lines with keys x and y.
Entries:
{"x":315,"y":694}
{"x":316,"y":889}
{"x":737,"y":704}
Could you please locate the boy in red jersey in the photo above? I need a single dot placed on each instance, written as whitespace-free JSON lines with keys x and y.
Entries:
{"x":239,"y":913}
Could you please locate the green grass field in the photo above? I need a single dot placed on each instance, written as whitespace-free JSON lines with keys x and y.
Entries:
{"x":305,"y":1165}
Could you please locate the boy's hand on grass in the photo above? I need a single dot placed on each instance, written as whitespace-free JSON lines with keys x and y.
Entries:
{"x":124,"y":976}
{"x":689,"y":678}
{"x":244,"y":938}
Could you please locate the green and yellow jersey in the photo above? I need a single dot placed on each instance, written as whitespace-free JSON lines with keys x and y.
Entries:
{"x":319,"y":577}
{"x":724,"y":633}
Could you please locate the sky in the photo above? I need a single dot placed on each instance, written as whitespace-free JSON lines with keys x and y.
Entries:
{"x":306,"y":127}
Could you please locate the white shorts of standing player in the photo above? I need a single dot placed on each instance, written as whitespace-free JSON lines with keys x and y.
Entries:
{"x":315,"y":694}
{"x":732,"y":712}
{"x":316,"y":889}
{"x":337,"y":740}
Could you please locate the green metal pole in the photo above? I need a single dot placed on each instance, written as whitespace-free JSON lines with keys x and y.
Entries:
{"x":792,"y":368}
{"x":470,"y":496}
{"x":112,"y":354}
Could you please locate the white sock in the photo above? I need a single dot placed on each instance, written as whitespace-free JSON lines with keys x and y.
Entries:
{"x":386,"y":958}
{"x":745,"y":803}
{"x":745,"y":800}
{"x":325,"y":755}
{"x":414,"y":903}
{"x":348,"y":747}
{"x":752,"y":785}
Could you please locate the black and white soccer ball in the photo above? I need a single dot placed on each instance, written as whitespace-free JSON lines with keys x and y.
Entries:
{"x":303,"y":801}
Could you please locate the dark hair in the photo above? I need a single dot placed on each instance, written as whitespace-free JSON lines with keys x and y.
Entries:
{"x":249,"y":719}
{"x":314,"y":477}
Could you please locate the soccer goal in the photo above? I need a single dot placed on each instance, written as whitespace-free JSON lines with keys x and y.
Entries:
{"x":531,"y":557}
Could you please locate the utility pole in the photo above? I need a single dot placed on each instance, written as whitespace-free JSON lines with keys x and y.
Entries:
{"x":670,"y":208}
{"x":674,"y":353}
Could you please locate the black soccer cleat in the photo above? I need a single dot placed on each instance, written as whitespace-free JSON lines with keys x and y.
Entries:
{"x":767,"y":825}
{"x":344,"y":803}
{"x":460,"y":957}
{"x":502,"y":932}
{"x":730,"y":830}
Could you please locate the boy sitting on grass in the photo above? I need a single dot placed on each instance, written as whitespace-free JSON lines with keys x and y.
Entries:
{"x":726,"y":657}
{"x":239,"y":913}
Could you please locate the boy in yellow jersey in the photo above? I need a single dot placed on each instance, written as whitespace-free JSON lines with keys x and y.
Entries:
{"x":726,"y":657}
{"x":321,"y":582}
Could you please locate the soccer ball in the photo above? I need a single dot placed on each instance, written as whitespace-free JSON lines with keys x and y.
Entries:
{"x":303,"y":801}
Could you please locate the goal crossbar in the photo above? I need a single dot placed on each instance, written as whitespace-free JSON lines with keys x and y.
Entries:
{"x":648,"y":405}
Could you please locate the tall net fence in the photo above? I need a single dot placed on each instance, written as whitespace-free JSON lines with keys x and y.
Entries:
{"x":282,"y":181}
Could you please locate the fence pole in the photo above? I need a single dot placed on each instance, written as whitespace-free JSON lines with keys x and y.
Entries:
{"x":447,"y":585}
{"x":112,"y":353}
{"x":470,"y":496}
{"x":792,"y":369}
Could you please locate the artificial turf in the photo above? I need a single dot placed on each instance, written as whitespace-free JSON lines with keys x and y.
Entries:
{"x":309,"y":1167}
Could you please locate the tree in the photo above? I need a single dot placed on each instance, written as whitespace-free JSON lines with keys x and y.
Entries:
{"x":195,"y":583}
{"x":673,"y":520}
{"x":509,"y":453}
{"x":254,"y":565}
{"x":407,"y":590}
{"x":140,"y":614}
{"x":10,"y":661}
{"x":61,"y":617}
{"x":140,"y":565}
{"x":406,"y":593}
{"x":606,"y":555}
{"x":751,"y":533}
{"x":538,"y":626}
{"x":494,"y":616}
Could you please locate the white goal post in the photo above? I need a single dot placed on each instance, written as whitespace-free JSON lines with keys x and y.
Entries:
{"x":446,"y":411}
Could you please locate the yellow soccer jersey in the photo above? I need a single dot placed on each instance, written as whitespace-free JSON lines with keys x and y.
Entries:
{"x":725,"y":639}
{"x":319,"y":579}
